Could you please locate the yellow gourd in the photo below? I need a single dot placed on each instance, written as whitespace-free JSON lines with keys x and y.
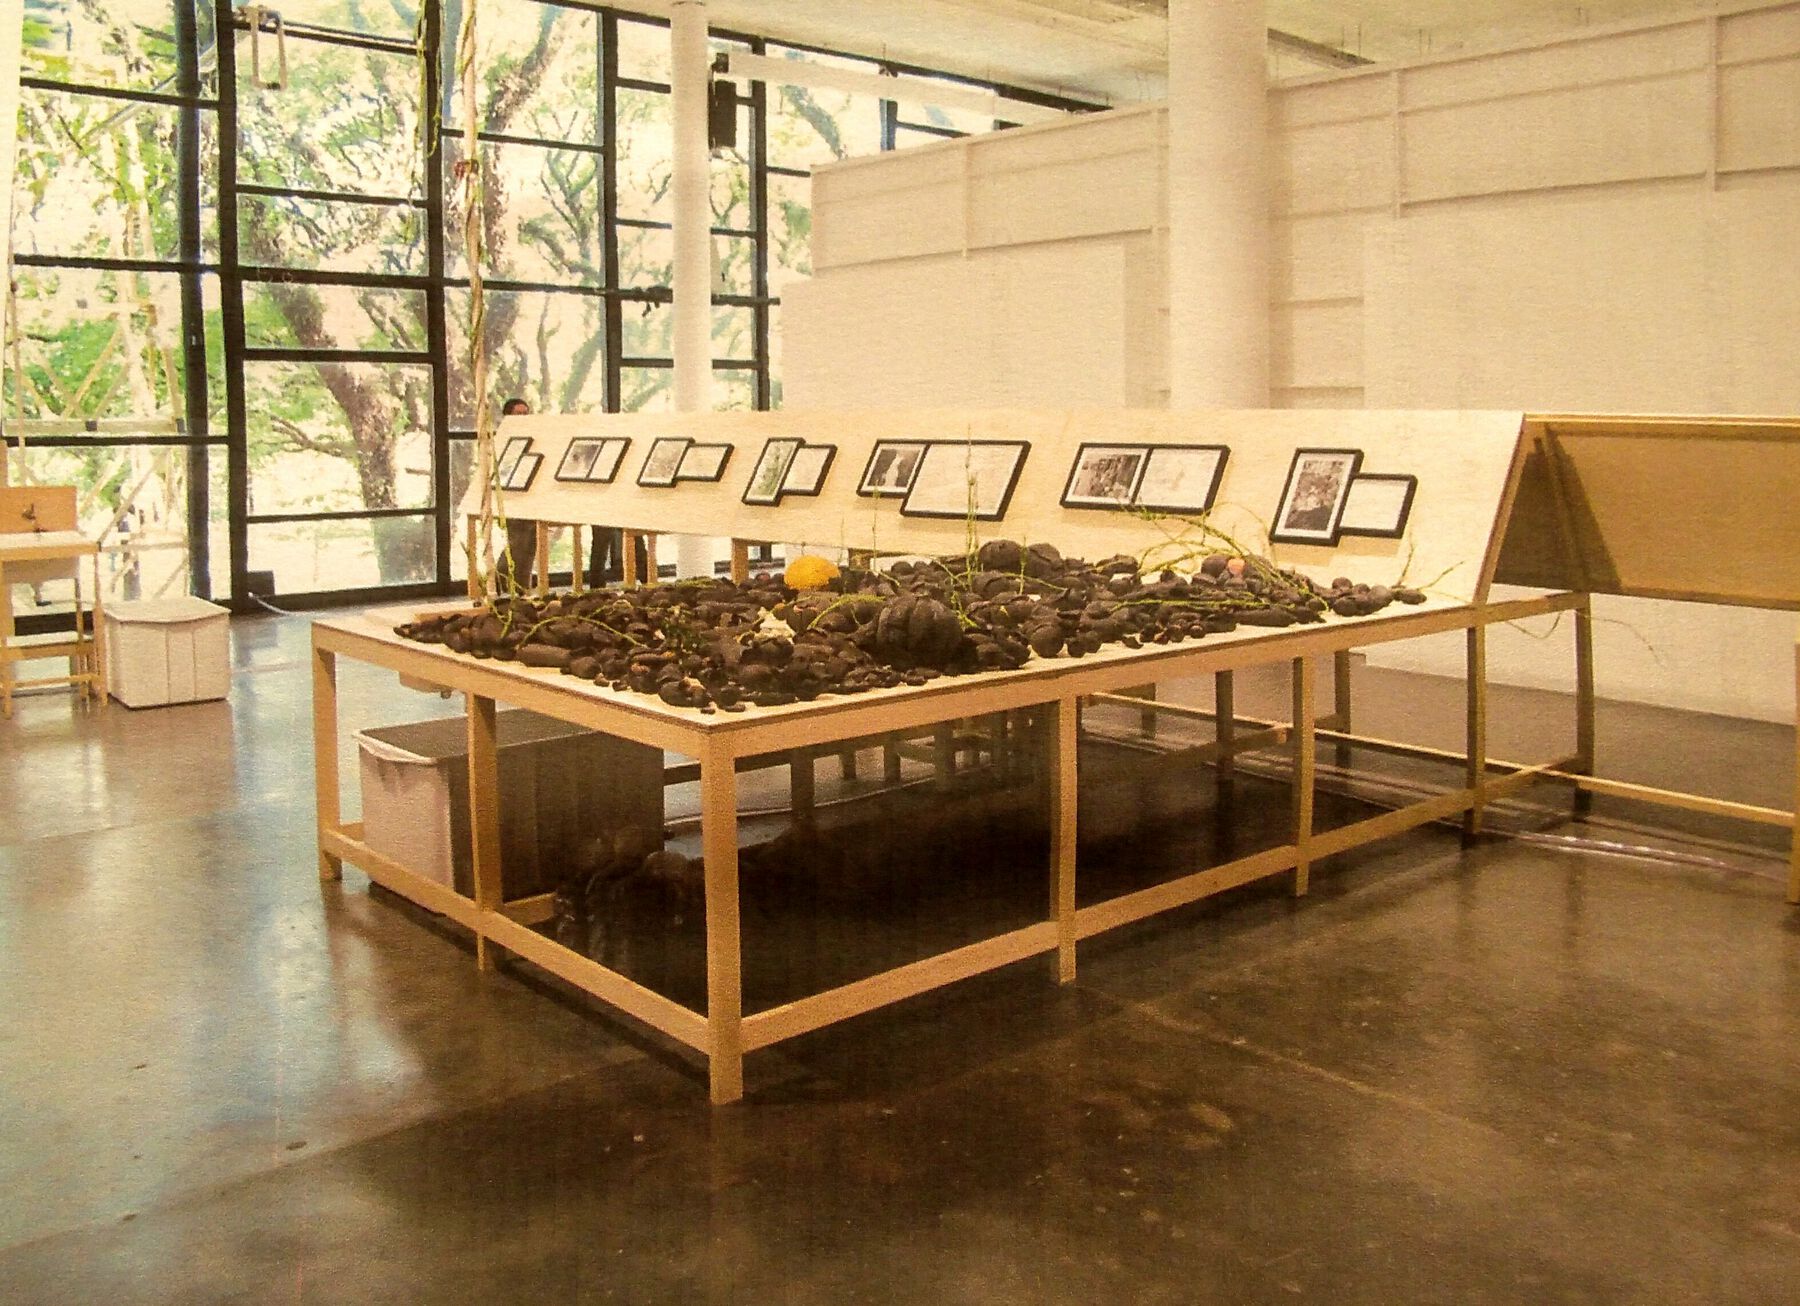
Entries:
{"x":810,"y":572}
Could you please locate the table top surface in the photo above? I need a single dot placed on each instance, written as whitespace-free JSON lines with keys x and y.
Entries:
{"x":17,"y":545}
{"x":1040,"y":679}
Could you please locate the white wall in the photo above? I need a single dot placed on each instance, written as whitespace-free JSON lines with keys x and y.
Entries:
{"x":1609,"y":221}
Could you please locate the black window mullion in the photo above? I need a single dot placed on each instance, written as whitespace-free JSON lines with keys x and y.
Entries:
{"x":193,"y":304}
{"x":609,"y":209}
{"x":231,"y":298}
{"x":759,"y":226}
{"x":437,"y":320}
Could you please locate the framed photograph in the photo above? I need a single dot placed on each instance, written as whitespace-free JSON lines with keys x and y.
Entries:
{"x":1182,"y":477}
{"x":524,"y":472}
{"x":891,"y":468}
{"x":1378,"y":505}
{"x":1312,"y":504}
{"x":806,"y":472}
{"x":703,"y":462}
{"x":508,"y":462}
{"x":770,"y":472}
{"x":578,"y":460}
{"x":966,"y":479}
{"x":1105,"y":475}
{"x":663,"y":460}
{"x":612,"y":453}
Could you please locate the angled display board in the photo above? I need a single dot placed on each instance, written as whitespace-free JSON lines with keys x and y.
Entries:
{"x":1434,"y":484}
{"x":1701,"y":509}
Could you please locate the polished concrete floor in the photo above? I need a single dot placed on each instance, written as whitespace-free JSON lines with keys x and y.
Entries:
{"x":1546,"y":1068}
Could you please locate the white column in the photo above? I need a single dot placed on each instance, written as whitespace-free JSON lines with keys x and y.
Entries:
{"x":1218,"y":204}
{"x":12,"y":26}
{"x":689,"y":78}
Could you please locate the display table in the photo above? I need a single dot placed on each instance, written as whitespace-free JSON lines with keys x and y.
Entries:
{"x":723,"y":1033}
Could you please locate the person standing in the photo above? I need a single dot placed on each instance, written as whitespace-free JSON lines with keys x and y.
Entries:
{"x":521,"y":532}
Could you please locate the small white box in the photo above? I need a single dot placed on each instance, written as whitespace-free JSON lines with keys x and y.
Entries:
{"x":161,"y":651}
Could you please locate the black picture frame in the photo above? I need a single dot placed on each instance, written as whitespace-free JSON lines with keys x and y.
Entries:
{"x":713,"y":459}
{"x":508,"y":460}
{"x":662,"y":461}
{"x":523,"y":473}
{"x":1312,"y":498}
{"x":931,"y":493}
{"x":891,"y":467}
{"x":1390,"y":517}
{"x":1121,"y":466}
{"x":816,"y":460}
{"x":1154,"y":492}
{"x":587,"y":448}
{"x":767,"y":477}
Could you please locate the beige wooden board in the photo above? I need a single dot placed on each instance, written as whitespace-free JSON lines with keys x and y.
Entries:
{"x":1463,"y":461}
{"x":1660,"y":507}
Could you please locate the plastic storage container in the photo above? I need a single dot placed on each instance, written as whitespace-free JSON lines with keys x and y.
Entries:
{"x":560,"y":787}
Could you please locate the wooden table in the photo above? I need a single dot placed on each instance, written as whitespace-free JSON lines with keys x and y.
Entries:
{"x":34,"y":555}
{"x":723,"y":1033}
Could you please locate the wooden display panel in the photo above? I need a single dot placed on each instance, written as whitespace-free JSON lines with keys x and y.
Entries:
{"x":1698,"y":509}
{"x":1464,"y":461}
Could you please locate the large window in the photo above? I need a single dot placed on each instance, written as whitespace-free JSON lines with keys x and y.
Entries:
{"x":240,"y":307}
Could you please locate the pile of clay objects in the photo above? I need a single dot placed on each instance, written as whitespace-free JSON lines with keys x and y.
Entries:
{"x":714,"y":644}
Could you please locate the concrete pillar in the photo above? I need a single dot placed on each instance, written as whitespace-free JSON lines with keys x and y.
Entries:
{"x":12,"y":26}
{"x":1218,"y":204}
{"x":690,"y":188}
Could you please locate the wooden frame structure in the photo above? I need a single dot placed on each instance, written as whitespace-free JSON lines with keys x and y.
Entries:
{"x":724,"y":1032}
{"x":39,"y":541}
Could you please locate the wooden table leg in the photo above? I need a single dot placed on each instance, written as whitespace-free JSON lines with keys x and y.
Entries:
{"x":1475,"y":764}
{"x":484,"y":820}
{"x":1225,"y":720}
{"x":543,"y":559}
{"x":1340,"y":702}
{"x":325,"y":758}
{"x":1064,"y":793}
{"x":1303,"y":773}
{"x":1584,"y":702}
{"x":1794,"y":838}
{"x":577,"y":567}
{"x":740,"y":561}
{"x":98,"y":647}
{"x":724,"y":945}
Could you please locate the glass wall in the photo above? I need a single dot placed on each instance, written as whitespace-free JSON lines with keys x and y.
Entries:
{"x":239,"y":318}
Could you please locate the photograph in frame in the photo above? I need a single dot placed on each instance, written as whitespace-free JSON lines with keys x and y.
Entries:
{"x":578,"y":460}
{"x":523,"y":473}
{"x":1181,"y":477}
{"x":767,"y":477}
{"x":1378,"y":505}
{"x":807,"y":470}
{"x":891,"y":468}
{"x":508,"y":461}
{"x":1105,"y":475}
{"x":612,"y":453}
{"x":966,"y":479}
{"x":1312,"y":502}
{"x":664,"y":458}
{"x":703,"y":462}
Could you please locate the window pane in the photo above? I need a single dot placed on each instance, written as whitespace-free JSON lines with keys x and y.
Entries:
{"x":121,"y":43}
{"x":731,"y":182}
{"x":337,"y":555}
{"x":97,"y":344}
{"x":646,"y":257}
{"x":734,"y":265}
{"x":643,"y":51}
{"x":547,"y":349}
{"x":95,"y":178}
{"x":647,"y":389}
{"x":277,"y":231}
{"x":383,"y":19}
{"x":539,"y":72}
{"x":347,"y":121}
{"x":134,"y":500}
{"x":334,"y":437}
{"x":541,"y":214}
{"x":646,"y":144}
{"x":810,"y":125}
{"x":733,"y":390}
{"x":790,"y":230}
{"x":775,"y":355}
{"x":648,"y":329}
{"x":286,"y":315}
{"x":734,"y":333}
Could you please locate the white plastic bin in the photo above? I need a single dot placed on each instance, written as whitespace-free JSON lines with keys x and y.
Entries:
{"x":161,"y":651}
{"x":560,"y":787}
